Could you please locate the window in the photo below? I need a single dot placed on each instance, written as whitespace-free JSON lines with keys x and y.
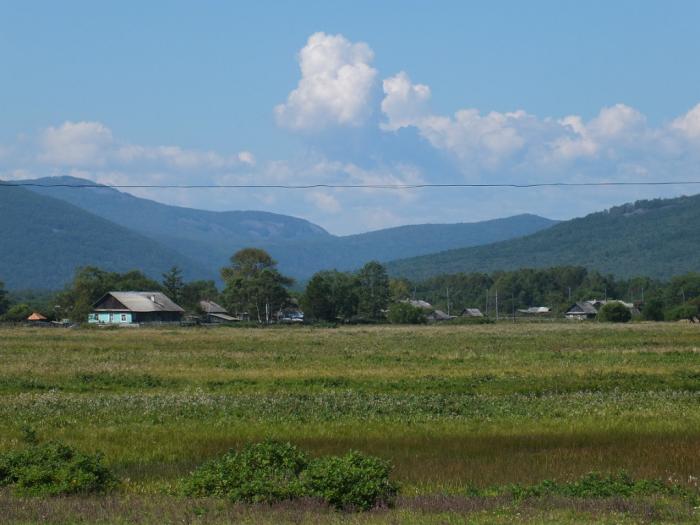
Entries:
{"x":123,"y":318}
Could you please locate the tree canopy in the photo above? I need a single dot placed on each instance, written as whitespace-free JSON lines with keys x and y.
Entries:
{"x":254,"y":286}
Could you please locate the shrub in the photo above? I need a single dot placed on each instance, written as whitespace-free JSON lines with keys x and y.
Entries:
{"x":597,"y":485}
{"x":351,"y":481}
{"x":614,"y":312}
{"x":261,"y":472}
{"x":653,"y":310}
{"x":405,"y":313}
{"x":17,"y":313}
{"x":685,"y":311}
{"x":53,"y":469}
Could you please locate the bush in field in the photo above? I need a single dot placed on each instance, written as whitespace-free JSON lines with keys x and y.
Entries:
{"x":614,"y":312}
{"x":353,"y":481}
{"x":259,"y":473}
{"x":405,"y":313}
{"x":685,"y":311}
{"x":53,"y":469}
{"x":653,"y":310}
{"x":597,"y":485}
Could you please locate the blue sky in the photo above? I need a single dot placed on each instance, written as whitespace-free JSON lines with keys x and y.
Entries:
{"x":297,"y":92}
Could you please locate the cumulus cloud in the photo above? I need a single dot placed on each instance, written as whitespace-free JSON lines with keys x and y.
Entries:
{"x":689,"y":124}
{"x":92,"y":144}
{"x":517,"y":140}
{"x":335,"y":87}
{"x":404,"y":103}
{"x":76,"y":144}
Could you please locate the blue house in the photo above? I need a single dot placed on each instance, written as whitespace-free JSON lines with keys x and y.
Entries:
{"x":123,"y":308}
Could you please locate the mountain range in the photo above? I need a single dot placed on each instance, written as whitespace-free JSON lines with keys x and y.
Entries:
{"x":49,"y":229}
{"x":656,"y":238}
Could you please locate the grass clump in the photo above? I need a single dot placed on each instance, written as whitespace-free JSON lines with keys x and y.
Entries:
{"x":264,"y":472}
{"x":53,"y":469}
{"x":271,"y":471}
{"x":352,"y":481}
{"x":597,"y":485}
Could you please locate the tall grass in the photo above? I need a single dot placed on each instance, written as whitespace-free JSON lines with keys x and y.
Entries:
{"x":451,"y":407}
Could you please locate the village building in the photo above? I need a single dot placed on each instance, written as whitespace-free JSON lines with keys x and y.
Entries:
{"x":472,"y":312}
{"x":215,"y":313}
{"x":36,"y":317}
{"x":589,"y":309}
{"x":432,"y":314}
{"x":128,"y":308}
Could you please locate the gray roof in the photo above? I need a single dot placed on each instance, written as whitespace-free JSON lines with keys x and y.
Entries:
{"x":210,"y":307}
{"x":583,"y":307}
{"x":472,"y":312}
{"x":143,"y":302}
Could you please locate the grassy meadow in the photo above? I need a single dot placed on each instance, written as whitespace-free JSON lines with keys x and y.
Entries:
{"x":455,"y":408}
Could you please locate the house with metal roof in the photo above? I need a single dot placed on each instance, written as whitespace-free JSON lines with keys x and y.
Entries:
{"x":127,"y":308}
{"x":215,"y":313}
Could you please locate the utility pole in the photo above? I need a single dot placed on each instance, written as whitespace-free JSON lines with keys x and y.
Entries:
{"x":497,"y":304}
{"x":512,"y":298}
{"x":569,"y":293}
{"x":448,"y":300}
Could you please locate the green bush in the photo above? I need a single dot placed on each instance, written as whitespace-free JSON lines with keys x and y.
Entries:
{"x":17,"y":313}
{"x":653,"y":310}
{"x":685,"y":311}
{"x":353,"y":481}
{"x":596,"y":485}
{"x":53,"y":469}
{"x":406,"y":313}
{"x":261,"y":472}
{"x":614,"y":312}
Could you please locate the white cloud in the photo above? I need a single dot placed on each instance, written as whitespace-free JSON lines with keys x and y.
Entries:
{"x":324,"y":201}
{"x":689,"y":124}
{"x":335,"y":86}
{"x":246,"y":157}
{"x":510,"y":142}
{"x":75,"y":144}
{"x":92,"y":145}
{"x":404,"y":103}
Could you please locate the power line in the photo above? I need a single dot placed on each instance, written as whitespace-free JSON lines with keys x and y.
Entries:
{"x":350,"y":186}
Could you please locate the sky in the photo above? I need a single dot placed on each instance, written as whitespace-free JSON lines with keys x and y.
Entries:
{"x":356,"y":92}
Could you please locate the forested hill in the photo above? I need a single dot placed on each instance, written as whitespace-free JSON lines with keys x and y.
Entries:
{"x":301,"y":247}
{"x":43,"y":240}
{"x":657,"y":238}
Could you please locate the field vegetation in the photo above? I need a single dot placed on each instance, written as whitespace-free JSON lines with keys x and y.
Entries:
{"x":482,"y":423}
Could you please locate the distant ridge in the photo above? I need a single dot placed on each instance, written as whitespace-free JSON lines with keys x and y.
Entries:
{"x":207,"y":239}
{"x":657,"y":238}
{"x":43,"y":240}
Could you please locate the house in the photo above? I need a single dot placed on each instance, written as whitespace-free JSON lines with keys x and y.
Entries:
{"x":472,"y":312}
{"x":438,"y":315}
{"x":290,"y":315}
{"x":431,"y":314}
{"x":583,"y":310}
{"x":214,"y":313}
{"x":128,"y":308}
{"x":589,"y":309}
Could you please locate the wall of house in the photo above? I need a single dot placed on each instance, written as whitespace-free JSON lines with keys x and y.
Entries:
{"x":110,"y":318}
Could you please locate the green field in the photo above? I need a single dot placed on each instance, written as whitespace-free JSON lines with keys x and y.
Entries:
{"x":455,"y":408}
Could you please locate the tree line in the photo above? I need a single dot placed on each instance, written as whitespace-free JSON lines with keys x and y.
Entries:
{"x":253,"y":287}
